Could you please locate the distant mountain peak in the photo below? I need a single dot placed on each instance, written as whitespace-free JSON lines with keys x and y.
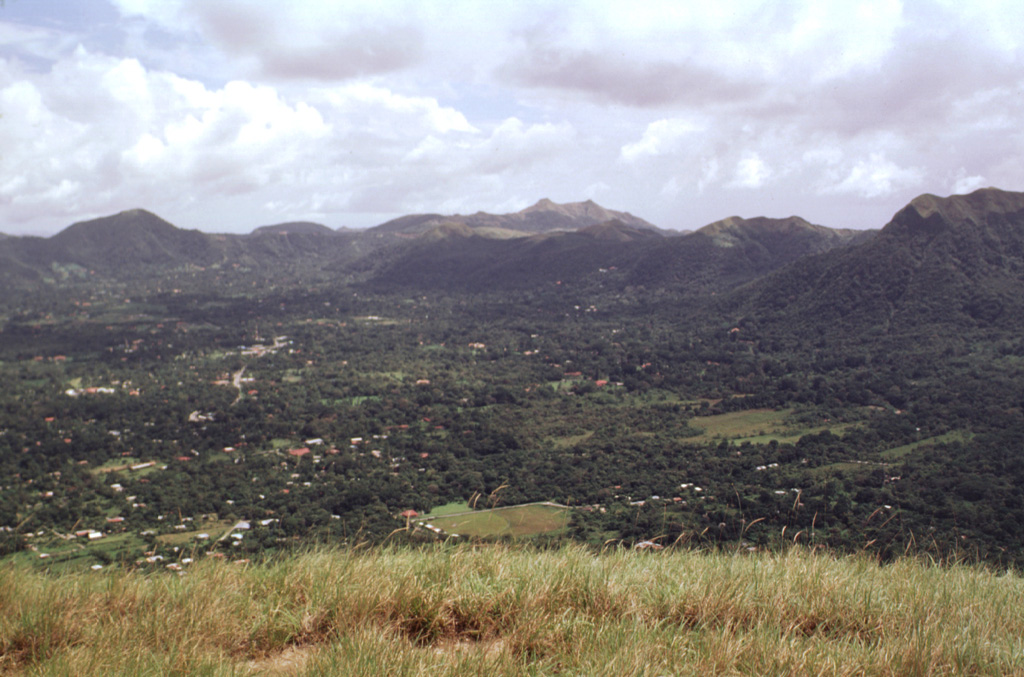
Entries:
{"x":295,"y":228}
{"x":931,"y":214}
{"x":588,"y":208}
{"x":543,"y":203}
{"x":127,"y":220}
{"x":542,"y":217}
{"x":733,"y":230}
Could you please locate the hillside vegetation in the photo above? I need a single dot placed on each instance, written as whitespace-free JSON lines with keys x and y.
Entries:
{"x":503,"y":611}
{"x":773,"y":382}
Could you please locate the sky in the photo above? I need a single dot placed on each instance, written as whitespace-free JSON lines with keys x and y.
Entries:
{"x":226,"y":115}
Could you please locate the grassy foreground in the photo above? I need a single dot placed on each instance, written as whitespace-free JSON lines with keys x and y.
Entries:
{"x":500,"y":610}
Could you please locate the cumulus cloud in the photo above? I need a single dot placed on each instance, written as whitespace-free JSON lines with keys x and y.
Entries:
{"x":661,"y":136}
{"x":319,"y":41}
{"x":116,"y":134}
{"x":966,"y":184}
{"x":374,"y":107}
{"x":347,"y":112}
{"x":620,"y":79}
{"x":302,"y":40}
{"x":701,"y":54}
{"x":462,"y":173}
{"x":751,"y":172}
{"x":876,"y":176}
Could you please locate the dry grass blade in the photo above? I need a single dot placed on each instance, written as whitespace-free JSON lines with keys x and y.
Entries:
{"x":509,"y":610}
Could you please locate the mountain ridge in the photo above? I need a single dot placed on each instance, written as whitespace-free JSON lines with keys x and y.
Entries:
{"x":932,"y":243}
{"x":543,"y":216}
{"x":955,"y":261}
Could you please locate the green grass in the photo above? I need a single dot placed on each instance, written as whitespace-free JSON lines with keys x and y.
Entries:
{"x":116,"y":464}
{"x":571,"y":440}
{"x":793,"y":436}
{"x":447,"y":509}
{"x":182,"y":538}
{"x":78,"y":554}
{"x":511,"y":611}
{"x":758,"y":426}
{"x":519,"y":521}
{"x":738,"y":424}
{"x":953,"y":436}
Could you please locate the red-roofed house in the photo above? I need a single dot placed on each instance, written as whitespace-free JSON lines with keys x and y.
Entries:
{"x":300,"y":452}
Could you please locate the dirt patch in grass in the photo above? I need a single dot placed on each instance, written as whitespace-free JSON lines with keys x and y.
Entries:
{"x":291,"y":661}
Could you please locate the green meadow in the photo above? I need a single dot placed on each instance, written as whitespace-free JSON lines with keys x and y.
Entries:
{"x":516,"y":521}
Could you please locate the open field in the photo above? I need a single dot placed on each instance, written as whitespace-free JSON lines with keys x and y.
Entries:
{"x":116,"y":465}
{"x":953,"y":436}
{"x":570,"y":441}
{"x":512,"y":611}
{"x":518,"y":520}
{"x":757,"y":426}
{"x":446,"y":509}
{"x":75,"y":555}
{"x":184,"y":538}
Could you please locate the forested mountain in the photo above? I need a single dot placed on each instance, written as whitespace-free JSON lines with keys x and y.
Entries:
{"x":612,"y":254}
{"x":295,"y":227}
{"x":542,"y":217}
{"x":541,"y":245}
{"x":957,"y":259}
{"x":734,"y":251}
{"x":941,"y":265}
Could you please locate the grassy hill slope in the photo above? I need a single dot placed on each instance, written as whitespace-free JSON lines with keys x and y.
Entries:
{"x":510,"y":611}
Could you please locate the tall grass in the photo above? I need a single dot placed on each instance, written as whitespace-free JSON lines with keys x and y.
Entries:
{"x":500,"y":610}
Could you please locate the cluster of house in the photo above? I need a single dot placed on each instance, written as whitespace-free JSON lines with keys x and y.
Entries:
{"x":259,"y":349}
{"x":103,"y":390}
{"x":355,"y":443}
{"x":75,"y":392}
{"x":153,"y":558}
{"x":235,"y":533}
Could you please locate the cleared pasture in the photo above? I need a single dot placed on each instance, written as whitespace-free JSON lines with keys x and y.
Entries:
{"x":517,"y":521}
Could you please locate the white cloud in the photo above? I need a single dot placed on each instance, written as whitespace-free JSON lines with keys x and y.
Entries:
{"x":374,"y":105}
{"x":117,"y":135}
{"x":966,"y":184}
{"x":850,"y":36}
{"x":876,"y":176}
{"x":349,"y":111}
{"x":296,"y":40}
{"x":708,"y":174}
{"x":660,"y":137}
{"x":469,"y":170}
{"x":751,"y":172}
